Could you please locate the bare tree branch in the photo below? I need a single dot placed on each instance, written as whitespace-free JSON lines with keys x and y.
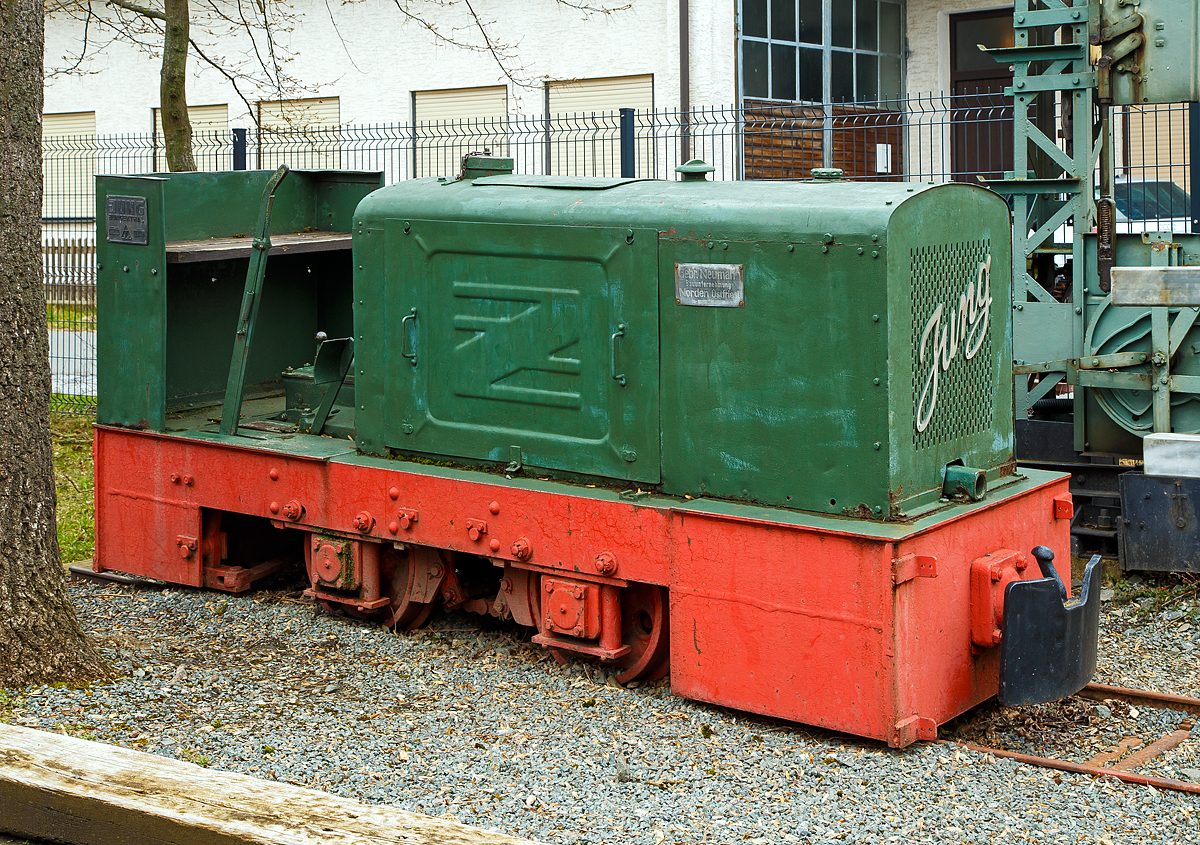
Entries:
{"x":253,"y":41}
{"x":342,"y":41}
{"x":269,"y":34}
{"x":83,"y":48}
{"x":138,"y":10}
{"x":491,"y":47}
{"x":501,"y":54}
{"x":588,"y":8}
{"x":242,"y":40}
{"x":233,"y":80}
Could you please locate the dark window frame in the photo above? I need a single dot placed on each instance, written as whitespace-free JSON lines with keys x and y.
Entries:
{"x":792,"y":41}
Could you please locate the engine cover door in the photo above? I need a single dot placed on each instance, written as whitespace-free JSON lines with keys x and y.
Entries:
{"x":515,"y":342}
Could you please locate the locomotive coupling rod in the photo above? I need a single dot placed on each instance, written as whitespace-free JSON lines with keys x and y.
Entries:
{"x":1115,"y":30}
{"x":1115,"y":360}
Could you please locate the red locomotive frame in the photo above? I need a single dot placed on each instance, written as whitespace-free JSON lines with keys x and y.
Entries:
{"x":884,"y":630}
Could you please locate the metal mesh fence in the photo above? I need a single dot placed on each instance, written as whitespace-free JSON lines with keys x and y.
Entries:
{"x":925,"y":138}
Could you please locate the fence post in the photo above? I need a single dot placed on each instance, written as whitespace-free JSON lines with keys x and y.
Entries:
{"x":239,"y":149}
{"x":627,"y":163}
{"x":1194,"y":163}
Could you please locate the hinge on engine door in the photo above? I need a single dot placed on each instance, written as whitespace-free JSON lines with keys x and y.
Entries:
{"x":908,"y":567}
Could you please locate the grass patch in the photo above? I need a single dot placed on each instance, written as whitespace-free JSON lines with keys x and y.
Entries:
{"x":1151,"y":593}
{"x":8,"y":702}
{"x":79,"y":731}
{"x":71,"y":317}
{"x":72,"y":435}
{"x":194,"y":756}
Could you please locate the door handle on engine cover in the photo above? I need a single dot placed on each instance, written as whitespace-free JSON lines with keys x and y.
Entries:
{"x":620,"y":332}
{"x":412,"y":356}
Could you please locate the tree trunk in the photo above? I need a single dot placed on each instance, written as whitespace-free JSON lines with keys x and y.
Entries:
{"x":177,"y":126}
{"x":40,"y":636}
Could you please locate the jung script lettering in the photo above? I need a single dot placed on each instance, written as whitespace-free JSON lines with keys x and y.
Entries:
{"x":964,"y":329}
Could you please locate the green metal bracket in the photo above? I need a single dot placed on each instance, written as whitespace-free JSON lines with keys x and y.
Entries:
{"x":236,"y":385}
{"x":1034,"y":186}
{"x":330,"y":367}
{"x":1061,"y":82}
{"x":1044,"y":73}
{"x":1052,"y":52}
{"x":1073,"y":60}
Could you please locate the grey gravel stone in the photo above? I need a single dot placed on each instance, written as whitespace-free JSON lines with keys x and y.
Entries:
{"x":1103,"y":712}
{"x":467,"y":719}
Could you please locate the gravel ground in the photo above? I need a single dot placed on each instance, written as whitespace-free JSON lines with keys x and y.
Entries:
{"x":1146,"y":643}
{"x":467,"y":719}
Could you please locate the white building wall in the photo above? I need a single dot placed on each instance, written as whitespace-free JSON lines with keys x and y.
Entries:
{"x":713,"y":48}
{"x":928,"y":30}
{"x":385,"y":59}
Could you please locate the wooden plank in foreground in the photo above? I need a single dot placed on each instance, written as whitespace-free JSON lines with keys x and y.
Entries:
{"x":63,"y":789}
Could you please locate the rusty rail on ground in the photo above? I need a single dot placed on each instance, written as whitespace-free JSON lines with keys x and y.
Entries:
{"x":85,"y":573}
{"x":1146,"y":698}
{"x":1121,"y":766}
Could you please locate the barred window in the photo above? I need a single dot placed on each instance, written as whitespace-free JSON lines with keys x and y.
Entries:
{"x":821,"y":50}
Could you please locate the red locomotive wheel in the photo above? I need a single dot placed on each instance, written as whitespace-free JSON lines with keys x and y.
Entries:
{"x":644,"y":624}
{"x":398,"y":573}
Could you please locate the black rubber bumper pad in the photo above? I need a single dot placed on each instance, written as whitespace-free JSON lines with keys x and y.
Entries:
{"x":1048,"y":644}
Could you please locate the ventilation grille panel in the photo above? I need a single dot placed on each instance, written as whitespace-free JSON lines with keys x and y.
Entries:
{"x":941,"y":275}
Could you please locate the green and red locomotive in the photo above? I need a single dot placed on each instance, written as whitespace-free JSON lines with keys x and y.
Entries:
{"x":758,"y":435}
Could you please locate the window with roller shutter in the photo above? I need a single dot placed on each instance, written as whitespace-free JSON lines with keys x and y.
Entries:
{"x":583,"y":138}
{"x":1154,"y":134}
{"x":304,"y":133}
{"x":211,"y":142}
{"x":69,"y":165}
{"x":453,"y":122}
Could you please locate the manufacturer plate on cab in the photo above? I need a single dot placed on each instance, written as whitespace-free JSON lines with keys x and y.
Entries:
{"x":125,"y":220}
{"x":709,"y":285}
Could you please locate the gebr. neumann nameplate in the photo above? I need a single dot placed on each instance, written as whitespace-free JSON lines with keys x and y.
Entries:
{"x":711,"y":285}
{"x":125,"y":220}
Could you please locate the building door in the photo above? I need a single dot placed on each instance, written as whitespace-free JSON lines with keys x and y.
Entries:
{"x":981,"y":117}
